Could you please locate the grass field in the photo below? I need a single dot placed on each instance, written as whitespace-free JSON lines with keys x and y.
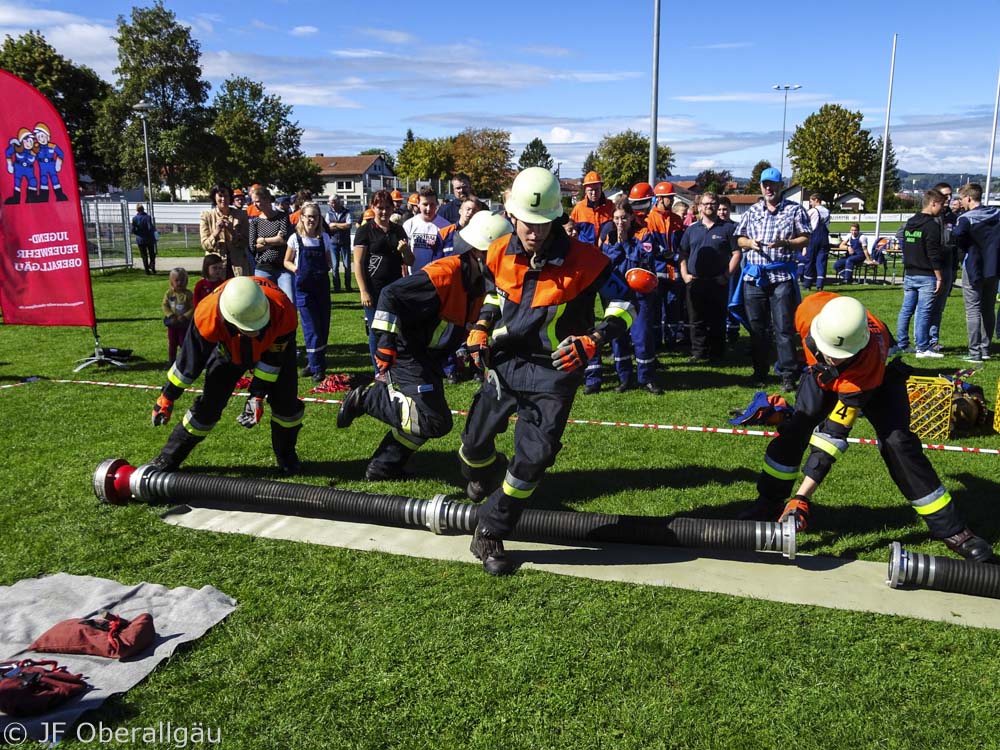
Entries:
{"x":332,"y":648}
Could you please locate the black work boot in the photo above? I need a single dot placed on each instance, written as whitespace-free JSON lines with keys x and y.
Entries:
{"x":60,"y":195}
{"x":352,"y":406}
{"x":179,"y":446}
{"x":971,"y":547}
{"x":478,"y":489}
{"x":488,"y":548}
{"x":764,"y":509}
{"x":283,"y":442}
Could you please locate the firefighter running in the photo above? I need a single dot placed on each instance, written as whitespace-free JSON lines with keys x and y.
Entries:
{"x":420,"y":320}
{"x":846,"y":349}
{"x":246,"y":323}
{"x":534,"y":335}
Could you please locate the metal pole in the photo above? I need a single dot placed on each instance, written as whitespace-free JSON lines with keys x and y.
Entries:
{"x":149,"y":173}
{"x":784,"y":119}
{"x":885,"y":145}
{"x":993,"y":143}
{"x":656,"y":86}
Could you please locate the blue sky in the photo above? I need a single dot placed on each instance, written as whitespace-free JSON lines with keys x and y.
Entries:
{"x":359,"y":74}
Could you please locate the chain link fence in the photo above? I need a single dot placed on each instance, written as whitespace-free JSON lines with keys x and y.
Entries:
{"x":106,"y":225}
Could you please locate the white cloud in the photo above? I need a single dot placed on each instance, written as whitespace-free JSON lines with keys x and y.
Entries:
{"x":704,"y":164}
{"x":546,"y":51}
{"x":359,"y":54}
{"x":304,"y":30}
{"x":389,"y":36}
{"x":311,"y":95}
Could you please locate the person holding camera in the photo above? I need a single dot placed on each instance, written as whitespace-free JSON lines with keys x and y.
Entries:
{"x":225,"y":231}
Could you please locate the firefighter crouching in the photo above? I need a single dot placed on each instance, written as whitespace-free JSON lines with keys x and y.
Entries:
{"x":246,"y":323}
{"x":534,"y":335}
{"x":846,"y":349}
{"x":420,"y":320}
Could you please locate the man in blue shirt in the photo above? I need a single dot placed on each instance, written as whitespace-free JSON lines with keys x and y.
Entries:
{"x":709,"y":256}
{"x":338,"y":226}
{"x":772,"y":234}
{"x":144,"y":232}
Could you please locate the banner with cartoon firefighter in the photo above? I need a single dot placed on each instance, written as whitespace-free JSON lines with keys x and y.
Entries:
{"x":44,"y":274}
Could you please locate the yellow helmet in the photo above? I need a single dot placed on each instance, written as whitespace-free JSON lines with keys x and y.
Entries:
{"x":484,"y":228}
{"x":535,"y":197}
{"x":244,"y":304}
{"x":840,"y":329}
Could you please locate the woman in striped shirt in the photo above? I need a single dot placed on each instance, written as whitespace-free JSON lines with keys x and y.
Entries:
{"x":269,"y":232}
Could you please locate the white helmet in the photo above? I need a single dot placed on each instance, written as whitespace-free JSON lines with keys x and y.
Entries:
{"x":534,"y":196}
{"x":841,"y":328}
{"x":244,"y":304}
{"x":484,"y":228}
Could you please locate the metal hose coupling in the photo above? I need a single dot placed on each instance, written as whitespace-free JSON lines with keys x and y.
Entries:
{"x":117,"y":482}
{"x":942,"y":573}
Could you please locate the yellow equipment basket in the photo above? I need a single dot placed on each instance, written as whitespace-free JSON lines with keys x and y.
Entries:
{"x":930,"y":407}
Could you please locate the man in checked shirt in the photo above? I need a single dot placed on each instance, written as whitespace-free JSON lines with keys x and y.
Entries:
{"x":772,"y":234}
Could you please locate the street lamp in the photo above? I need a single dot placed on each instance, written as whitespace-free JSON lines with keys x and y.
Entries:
{"x":786,"y":88}
{"x":144,"y":108}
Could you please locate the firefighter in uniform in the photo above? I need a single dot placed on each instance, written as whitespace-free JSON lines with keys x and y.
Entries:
{"x":846,"y":349}
{"x":246,"y":323}
{"x":668,"y":228}
{"x":534,"y":334}
{"x":593,"y":211}
{"x":420,"y":320}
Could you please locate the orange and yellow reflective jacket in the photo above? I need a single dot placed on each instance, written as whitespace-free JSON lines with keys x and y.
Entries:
{"x":210,"y":336}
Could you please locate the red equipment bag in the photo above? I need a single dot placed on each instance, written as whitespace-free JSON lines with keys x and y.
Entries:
{"x":29,"y":687}
{"x":109,"y":636}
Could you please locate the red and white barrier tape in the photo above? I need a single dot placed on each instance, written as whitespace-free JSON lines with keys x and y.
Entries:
{"x":634,"y":425}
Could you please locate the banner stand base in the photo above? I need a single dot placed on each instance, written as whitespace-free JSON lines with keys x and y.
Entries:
{"x":104,"y":355}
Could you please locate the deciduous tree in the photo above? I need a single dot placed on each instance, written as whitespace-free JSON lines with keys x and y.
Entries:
{"x":485,"y":155}
{"x":623,"y":159}
{"x":259,"y":141}
{"x":425,"y":158}
{"x":708,"y":180}
{"x":830,"y":151}
{"x":159,"y":63}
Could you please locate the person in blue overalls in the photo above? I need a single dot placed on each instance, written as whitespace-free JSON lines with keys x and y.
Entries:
{"x":858,"y":247}
{"x":50,"y":160}
{"x":308,"y":257}
{"x":818,"y":249}
{"x":630,"y":245}
{"x":20,"y":156}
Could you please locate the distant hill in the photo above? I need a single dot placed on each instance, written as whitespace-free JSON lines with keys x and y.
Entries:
{"x":927,"y":180}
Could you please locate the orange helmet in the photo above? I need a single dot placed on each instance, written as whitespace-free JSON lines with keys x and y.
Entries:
{"x":592,"y":178}
{"x":413,"y":200}
{"x":396,"y":195}
{"x":368,"y":214}
{"x":640,"y":280}
{"x":237,"y":193}
{"x":640,"y":191}
{"x":663,"y":189}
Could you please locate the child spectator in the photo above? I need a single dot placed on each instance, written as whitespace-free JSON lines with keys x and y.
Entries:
{"x":213,"y":273}
{"x":178,"y":309}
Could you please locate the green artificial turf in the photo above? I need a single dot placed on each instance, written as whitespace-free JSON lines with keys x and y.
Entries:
{"x":332,"y":648}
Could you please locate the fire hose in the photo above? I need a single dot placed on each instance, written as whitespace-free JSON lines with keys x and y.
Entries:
{"x":942,"y":573}
{"x":117,"y":482}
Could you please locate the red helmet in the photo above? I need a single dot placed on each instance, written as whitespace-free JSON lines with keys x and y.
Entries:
{"x":592,"y":178}
{"x":640,"y":191}
{"x":640,"y":280}
{"x":663,"y":189}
